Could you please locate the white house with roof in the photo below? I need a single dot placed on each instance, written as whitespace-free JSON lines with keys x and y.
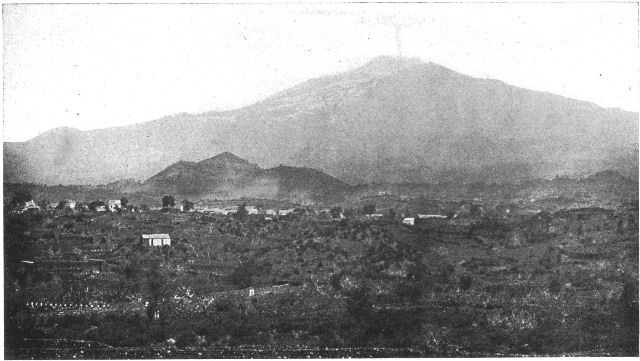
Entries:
{"x":409,"y":221}
{"x":114,"y":204}
{"x":156,"y":240}
{"x":251,"y":209}
{"x":178,"y":205}
{"x":285,"y":212}
{"x":231,"y":210}
{"x":29,"y":206}
{"x":432,"y":216}
{"x":68,"y":203}
{"x":215,"y":210}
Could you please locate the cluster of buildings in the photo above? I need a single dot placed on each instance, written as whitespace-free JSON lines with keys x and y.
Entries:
{"x":411,"y":221}
{"x":112,"y":205}
{"x":251,"y":210}
{"x":29,"y":206}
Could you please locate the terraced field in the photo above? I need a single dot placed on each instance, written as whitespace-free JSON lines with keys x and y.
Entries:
{"x":296,"y":286}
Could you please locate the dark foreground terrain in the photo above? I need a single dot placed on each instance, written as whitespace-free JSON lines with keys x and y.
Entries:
{"x":492,"y":277}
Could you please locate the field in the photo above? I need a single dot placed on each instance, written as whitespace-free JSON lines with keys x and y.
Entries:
{"x":81,"y":284}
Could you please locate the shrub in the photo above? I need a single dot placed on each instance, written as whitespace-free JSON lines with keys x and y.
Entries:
{"x":554,"y":285}
{"x":552,"y":257}
{"x":335,"y":281}
{"x":186,"y":338}
{"x":242,"y":212}
{"x":168,"y":201}
{"x":465,"y":282}
{"x":369,"y":209}
{"x":628,"y":316}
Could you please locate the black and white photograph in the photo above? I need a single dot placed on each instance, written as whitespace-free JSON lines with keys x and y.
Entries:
{"x":320,"y":180}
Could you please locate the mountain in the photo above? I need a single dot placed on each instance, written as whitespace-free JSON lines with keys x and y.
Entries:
{"x":183,"y":177}
{"x":229,"y":176}
{"x":391,"y":120}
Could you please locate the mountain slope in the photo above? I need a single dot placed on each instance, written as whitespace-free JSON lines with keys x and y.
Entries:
{"x":227,"y":175}
{"x":191,"y":178}
{"x":391,"y":120}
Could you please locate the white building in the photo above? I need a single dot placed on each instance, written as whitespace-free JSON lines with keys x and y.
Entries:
{"x":427,"y":216}
{"x":114,"y":204}
{"x":251,"y":210}
{"x":156,"y":240}
{"x":409,"y":221}
{"x":284,"y":212}
{"x":215,"y":210}
{"x":29,"y":206}
{"x":68,"y":203}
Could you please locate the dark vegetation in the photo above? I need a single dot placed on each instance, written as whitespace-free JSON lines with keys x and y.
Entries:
{"x":482,"y":282}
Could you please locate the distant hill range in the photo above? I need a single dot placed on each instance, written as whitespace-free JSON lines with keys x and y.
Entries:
{"x":227,"y":177}
{"x":393,"y":120}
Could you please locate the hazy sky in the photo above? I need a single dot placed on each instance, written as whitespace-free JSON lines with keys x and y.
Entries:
{"x":94,"y":66}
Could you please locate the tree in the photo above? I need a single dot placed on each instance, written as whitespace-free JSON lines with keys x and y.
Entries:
{"x":349,"y":213}
{"x":336,"y":281}
{"x":392,"y":214}
{"x":20,"y":197}
{"x":95,"y":204}
{"x":61,"y":205}
{"x":158,"y":288}
{"x":554,"y":284}
{"x":44,"y":204}
{"x":187,"y":206}
{"x":369,"y":209}
{"x":409,"y":292}
{"x":168,"y":201}
{"x":360,"y":313}
{"x":335,"y":212}
{"x":124,"y":202}
{"x":475,"y":211}
{"x":242,"y":211}
{"x":627,"y":307}
{"x":465,"y":282}
{"x":251,"y":272}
